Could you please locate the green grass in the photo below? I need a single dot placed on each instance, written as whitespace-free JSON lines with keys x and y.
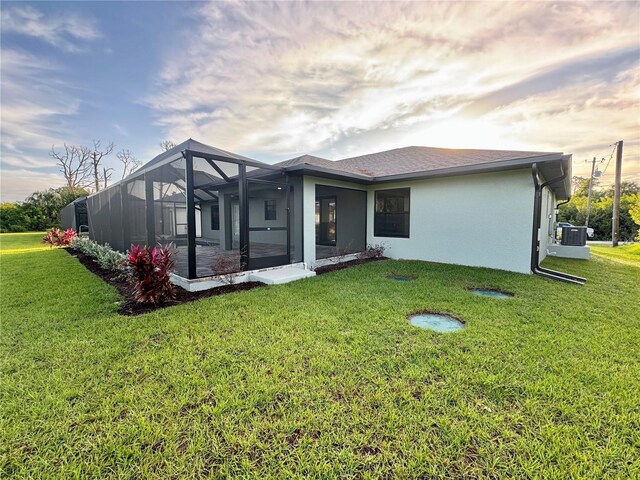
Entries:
{"x":321,"y":378}
{"x":626,"y":254}
{"x":21,"y":242}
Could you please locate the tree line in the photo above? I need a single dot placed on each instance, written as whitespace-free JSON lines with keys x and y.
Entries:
{"x":84,"y":170}
{"x":601,"y":209}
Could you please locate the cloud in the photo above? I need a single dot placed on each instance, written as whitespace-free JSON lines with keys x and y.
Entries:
{"x":120,"y":129}
{"x":18,"y":184}
{"x":286,"y":78}
{"x":34,"y":102}
{"x":69,"y":31}
{"x":37,"y":106}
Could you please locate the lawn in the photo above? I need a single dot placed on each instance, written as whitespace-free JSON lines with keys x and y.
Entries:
{"x":323,"y":377}
{"x":626,"y":254}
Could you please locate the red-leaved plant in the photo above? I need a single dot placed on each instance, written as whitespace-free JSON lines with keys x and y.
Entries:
{"x":150,"y":273}
{"x":59,"y":238}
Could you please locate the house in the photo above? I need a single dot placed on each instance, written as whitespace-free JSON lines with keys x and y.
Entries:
{"x":479,"y":208}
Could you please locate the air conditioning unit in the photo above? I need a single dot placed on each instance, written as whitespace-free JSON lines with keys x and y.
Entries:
{"x":576,"y":236}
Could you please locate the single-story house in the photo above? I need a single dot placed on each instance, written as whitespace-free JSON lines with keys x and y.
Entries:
{"x":483,"y":208}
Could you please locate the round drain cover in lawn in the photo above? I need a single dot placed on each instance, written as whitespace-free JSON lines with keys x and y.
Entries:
{"x":436,"y":321}
{"x":401,"y":278}
{"x":483,"y":292}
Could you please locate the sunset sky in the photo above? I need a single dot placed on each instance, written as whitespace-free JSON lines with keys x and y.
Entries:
{"x":276,"y":80}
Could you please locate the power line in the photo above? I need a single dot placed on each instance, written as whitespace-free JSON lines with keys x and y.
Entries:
{"x":610,"y":157}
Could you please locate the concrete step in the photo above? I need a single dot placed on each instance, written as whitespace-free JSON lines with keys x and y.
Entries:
{"x":277,"y":276}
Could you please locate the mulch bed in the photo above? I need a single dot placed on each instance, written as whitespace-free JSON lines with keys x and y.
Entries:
{"x":351,"y":263}
{"x":130,"y":307}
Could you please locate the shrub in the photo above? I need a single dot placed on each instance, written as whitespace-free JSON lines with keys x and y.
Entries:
{"x":104,"y":255}
{"x":150,"y":273}
{"x":372,"y":251}
{"x":59,"y":238}
{"x":108,"y":258}
{"x":228,"y":267}
{"x":12,"y":218}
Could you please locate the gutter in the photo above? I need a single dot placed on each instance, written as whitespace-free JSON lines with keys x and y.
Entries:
{"x":535,"y":242}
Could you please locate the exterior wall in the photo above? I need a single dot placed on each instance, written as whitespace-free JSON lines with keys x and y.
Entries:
{"x":309,"y":211}
{"x":481,"y":220}
{"x":207,"y":232}
{"x":256,"y":218}
{"x":296,"y":216}
{"x":547,"y":221}
{"x":351,"y":217}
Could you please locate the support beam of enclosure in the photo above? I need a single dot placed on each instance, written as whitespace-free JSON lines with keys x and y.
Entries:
{"x":243,"y":200}
{"x":150,"y":210}
{"x":218,"y":169}
{"x":191,"y":217}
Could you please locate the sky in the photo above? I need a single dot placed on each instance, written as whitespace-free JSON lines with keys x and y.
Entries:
{"x":273,"y":81}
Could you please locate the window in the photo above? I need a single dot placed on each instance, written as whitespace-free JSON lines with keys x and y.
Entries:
{"x":269,"y":209}
{"x":391,"y":217}
{"x":215,"y":216}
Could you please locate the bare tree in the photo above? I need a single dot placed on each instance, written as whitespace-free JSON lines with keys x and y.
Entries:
{"x":95,"y":157}
{"x":129,"y":162}
{"x":106,"y":175}
{"x":73,"y":163}
{"x":167,"y":145}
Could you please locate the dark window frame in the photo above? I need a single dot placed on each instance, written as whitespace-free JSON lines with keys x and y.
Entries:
{"x":215,"y":216}
{"x":388,"y":211}
{"x":270,"y":209}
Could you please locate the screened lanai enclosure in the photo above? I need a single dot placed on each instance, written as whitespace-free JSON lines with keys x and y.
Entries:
{"x":74,"y":215}
{"x":222,"y":211}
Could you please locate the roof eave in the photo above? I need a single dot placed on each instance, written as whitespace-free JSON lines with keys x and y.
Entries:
{"x":470,"y":169}
{"x":307,"y":169}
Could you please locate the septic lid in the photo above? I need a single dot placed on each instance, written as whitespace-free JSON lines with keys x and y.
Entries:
{"x":439,"y":322}
{"x":489,"y":292}
{"x":401,"y":278}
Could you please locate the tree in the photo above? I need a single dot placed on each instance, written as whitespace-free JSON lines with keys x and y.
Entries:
{"x":581,"y":186}
{"x":42,"y":209}
{"x":167,"y":145}
{"x":602,"y":210}
{"x":73,"y":163}
{"x":577,"y":184}
{"x":95,"y":157}
{"x":106,"y":175}
{"x":12,"y":218}
{"x":129,"y":162}
{"x":634,"y":211}
{"x":626,"y":188}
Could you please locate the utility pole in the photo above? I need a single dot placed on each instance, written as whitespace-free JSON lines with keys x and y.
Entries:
{"x":593,"y":168}
{"x":615,"y":227}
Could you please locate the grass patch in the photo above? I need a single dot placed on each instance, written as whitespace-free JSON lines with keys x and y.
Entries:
{"x":625,"y":254}
{"x":321,"y":378}
{"x":21,"y":243}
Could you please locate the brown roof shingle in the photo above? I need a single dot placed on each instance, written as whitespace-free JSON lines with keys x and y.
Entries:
{"x":423,"y":159}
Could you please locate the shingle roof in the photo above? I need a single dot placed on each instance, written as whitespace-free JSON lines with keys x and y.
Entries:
{"x":408,"y":160}
{"x":422,"y":162}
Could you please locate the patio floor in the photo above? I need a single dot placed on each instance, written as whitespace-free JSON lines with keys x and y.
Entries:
{"x":206,"y":255}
